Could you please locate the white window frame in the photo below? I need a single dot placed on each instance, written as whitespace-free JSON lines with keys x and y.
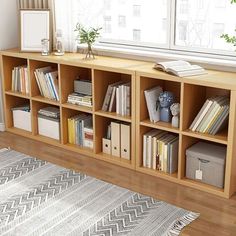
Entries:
{"x":170,"y":46}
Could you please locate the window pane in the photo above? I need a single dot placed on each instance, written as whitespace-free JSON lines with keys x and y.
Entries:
{"x":136,"y":22}
{"x":200,"y":23}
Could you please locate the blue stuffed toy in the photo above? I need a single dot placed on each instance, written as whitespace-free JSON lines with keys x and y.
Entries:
{"x":166,"y":99}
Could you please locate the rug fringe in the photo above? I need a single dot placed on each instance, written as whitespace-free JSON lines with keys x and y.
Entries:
{"x":5,"y":149}
{"x":180,"y":223}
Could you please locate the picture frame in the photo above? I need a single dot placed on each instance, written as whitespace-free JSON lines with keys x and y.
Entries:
{"x":34,"y":26}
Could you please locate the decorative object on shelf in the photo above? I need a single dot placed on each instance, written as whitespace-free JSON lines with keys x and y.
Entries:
{"x":45,"y":47}
{"x":230,"y":39}
{"x":60,"y":51}
{"x":175,"y":110}
{"x":89,"y":37}
{"x":166,"y":99}
{"x":34,"y":26}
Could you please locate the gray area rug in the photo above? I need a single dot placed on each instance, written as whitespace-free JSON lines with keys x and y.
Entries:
{"x":39,"y":198}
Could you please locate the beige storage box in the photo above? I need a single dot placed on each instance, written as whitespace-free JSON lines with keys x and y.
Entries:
{"x":205,"y":162}
{"x":22,"y":120}
{"x":49,"y":127}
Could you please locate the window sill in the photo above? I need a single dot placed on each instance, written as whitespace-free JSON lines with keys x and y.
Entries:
{"x":207,"y":61}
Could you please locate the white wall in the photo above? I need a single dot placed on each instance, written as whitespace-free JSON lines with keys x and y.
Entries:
{"x":9,"y":22}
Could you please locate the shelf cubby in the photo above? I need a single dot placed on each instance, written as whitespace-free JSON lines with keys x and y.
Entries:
{"x":12,"y":102}
{"x":143,"y":130}
{"x":102,"y":79}
{"x":195,"y":96}
{"x":33,"y":65}
{"x":36,"y":106}
{"x":66,"y":114}
{"x":68,"y":74}
{"x":9,"y":63}
{"x":101,"y":124}
{"x":187,"y":142}
{"x":145,"y":83}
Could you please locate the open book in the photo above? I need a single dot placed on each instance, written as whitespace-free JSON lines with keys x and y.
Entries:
{"x":180,"y":68}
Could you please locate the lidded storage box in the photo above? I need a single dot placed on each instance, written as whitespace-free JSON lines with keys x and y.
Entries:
{"x":206,"y":162}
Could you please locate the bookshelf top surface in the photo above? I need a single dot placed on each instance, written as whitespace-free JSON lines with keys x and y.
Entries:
{"x":213,"y":78}
{"x":77,"y":59}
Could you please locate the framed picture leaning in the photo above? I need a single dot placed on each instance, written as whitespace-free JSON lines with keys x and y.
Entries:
{"x":34,"y":26}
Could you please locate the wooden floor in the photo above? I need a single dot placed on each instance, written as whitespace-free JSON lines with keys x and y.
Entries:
{"x":218,"y":215}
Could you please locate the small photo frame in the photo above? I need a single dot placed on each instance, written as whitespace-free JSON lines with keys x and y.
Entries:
{"x":34,"y":26}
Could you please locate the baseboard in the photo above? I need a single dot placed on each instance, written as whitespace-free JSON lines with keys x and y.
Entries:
{"x":2,"y":127}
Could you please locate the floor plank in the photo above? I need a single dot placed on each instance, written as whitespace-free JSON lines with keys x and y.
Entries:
{"x":218,"y":215}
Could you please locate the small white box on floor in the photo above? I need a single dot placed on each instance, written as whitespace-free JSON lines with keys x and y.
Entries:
{"x":49,"y":127}
{"x":22,"y":120}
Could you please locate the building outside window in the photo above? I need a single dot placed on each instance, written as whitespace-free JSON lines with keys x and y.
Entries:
{"x":122,"y":21}
{"x":136,"y":34}
{"x":137,"y":10}
{"x":107,"y":24}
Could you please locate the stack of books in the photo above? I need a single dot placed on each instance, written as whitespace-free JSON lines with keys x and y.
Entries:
{"x":47,"y":80}
{"x":160,"y":151}
{"x":20,"y":79}
{"x":82,"y":94}
{"x":117,"y":99}
{"x":212,"y":117}
{"x":152,"y":97}
{"x":80,"y":99}
{"x":52,"y":112}
{"x":80,"y":130}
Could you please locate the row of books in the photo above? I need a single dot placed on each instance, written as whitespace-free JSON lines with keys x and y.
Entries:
{"x":80,"y":130}
{"x":213,"y":116}
{"x":80,"y":99}
{"x":160,"y":151}
{"x":117,"y":141}
{"x":117,"y":98}
{"x":152,"y":97}
{"x":47,"y":80}
{"x":20,"y":79}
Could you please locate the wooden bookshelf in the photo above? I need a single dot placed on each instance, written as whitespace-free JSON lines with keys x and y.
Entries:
{"x":190,"y":92}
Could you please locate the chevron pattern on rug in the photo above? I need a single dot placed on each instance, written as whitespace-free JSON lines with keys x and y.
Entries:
{"x":125,"y":218}
{"x":19,"y":169}
{"x":39,"y":198}
{"x":20,"y":204}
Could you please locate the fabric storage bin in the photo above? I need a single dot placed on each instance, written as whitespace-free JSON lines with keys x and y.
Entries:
{"x":22,"y":119}
{"x":206,"y":162}
{"x":49,"y":127}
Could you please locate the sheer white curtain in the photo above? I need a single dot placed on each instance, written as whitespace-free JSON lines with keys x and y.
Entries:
{"x":65,"y":20}
{"x":69,"y":12}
